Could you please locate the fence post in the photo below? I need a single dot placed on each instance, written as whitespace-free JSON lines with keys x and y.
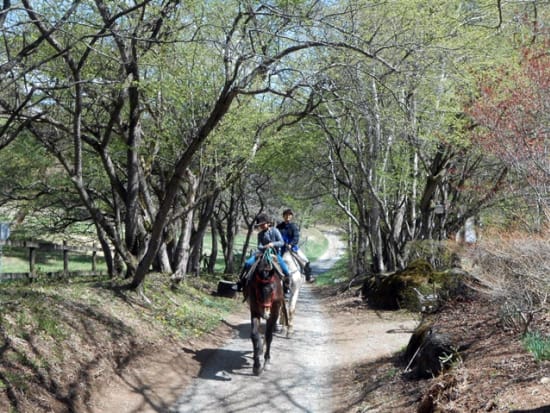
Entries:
{"x":32,"y":260}
{"x":4,"y":235}
{"x":65,"y":258}
{"x":94,"y":257}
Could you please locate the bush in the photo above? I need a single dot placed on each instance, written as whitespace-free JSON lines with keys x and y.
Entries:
{"x":440,"y":254}
{"x":537,"y":344}
{"x":513,"y":269}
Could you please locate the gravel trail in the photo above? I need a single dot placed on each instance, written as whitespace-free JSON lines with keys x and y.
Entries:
{"x":299,"y":379}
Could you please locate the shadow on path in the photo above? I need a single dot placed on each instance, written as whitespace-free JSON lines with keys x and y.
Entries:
{"x":234,"y":361}
{"x":542,"y":409}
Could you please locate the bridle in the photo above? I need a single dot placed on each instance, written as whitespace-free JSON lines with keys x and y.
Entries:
{"x":265,"y":279}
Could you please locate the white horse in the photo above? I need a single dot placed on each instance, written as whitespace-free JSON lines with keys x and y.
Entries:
{"x":296,"y":282}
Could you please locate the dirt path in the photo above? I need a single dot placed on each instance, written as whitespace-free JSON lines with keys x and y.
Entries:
{"x":326,"y":341}
{"x":311,"y":372}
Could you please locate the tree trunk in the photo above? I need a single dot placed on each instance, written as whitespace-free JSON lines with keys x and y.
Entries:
{"x":164,"y":259}
{"x":232,"y":231}
{"x":183,"y":248}
{"x":107,"y":253}
{"x":214,"y":247}
{"x":197,"y":238}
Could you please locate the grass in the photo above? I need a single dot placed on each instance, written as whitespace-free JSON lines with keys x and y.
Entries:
{"x":337,"y":274}
{"x":313,"y":244}
{"x":189,"y":311}
{"x":538,"y":345}
{"x":16,"y":260}
{"x":49,"y":328}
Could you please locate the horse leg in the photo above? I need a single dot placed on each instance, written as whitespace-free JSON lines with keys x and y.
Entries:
{"x":290,"y":326}
{"x":292,"y":302}
{"x":256,"y":344}
{"x":292,"y":311}
{"x":269,"y":329}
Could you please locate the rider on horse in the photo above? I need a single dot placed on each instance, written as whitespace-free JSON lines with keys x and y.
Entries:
{"x":291,"y":235}
{"x":268,"y":238}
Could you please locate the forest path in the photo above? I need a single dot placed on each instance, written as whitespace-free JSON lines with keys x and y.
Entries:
{"x":300,"y":379}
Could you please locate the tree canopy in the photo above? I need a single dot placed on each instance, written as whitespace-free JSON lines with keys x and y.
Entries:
{"x":157,"y":120}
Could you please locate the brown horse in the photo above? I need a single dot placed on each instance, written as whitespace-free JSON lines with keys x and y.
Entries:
{"x":264,"y":292}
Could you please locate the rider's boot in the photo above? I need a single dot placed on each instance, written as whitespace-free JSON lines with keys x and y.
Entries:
{"x":286,"y":286}
{"x":308,"y":274}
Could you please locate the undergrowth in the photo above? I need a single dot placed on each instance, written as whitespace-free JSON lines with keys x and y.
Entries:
{"x":55,"y":335}
{"x":337,"y":274}
{"x":538,"y":344}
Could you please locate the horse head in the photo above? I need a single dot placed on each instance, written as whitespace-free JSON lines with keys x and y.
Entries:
{"x":265,"y":286}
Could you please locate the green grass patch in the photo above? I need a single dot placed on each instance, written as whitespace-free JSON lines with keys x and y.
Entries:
{"x":16,"y":259}
{"x":189,"y":311}
{"x":339,"y":273}
{"x":538,"y":344}
{"x":18,"y":381}
{"x":313,"y":243}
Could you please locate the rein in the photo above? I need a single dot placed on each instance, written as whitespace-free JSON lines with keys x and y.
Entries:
{"x":268,"y":256}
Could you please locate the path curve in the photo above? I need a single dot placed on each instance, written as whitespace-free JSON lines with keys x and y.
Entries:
{"x":299,"y":379}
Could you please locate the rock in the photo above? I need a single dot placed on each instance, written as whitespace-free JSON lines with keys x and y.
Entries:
{"x":416,"y":288}
{"x":227,"y":289}
{"x":429,"y":352}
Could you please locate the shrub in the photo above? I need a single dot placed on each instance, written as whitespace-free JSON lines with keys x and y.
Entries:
{"x":513,"y":269}
{"x":537,"y":344}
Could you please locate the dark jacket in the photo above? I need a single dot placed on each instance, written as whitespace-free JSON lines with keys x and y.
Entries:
{"x":290,"y":232}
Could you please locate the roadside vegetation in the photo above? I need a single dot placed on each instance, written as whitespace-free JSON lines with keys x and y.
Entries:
{"x":498,"y":323}
{"x":61,"y":339}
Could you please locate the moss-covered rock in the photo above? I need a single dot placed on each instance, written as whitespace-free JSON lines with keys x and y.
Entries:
{"x":417,"y":288}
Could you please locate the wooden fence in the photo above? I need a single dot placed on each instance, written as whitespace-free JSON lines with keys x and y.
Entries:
{"x":65,"y":249}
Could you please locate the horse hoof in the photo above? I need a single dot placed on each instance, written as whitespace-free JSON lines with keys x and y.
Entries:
{"x":267,"y":365}
{"x":257,"y":368}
